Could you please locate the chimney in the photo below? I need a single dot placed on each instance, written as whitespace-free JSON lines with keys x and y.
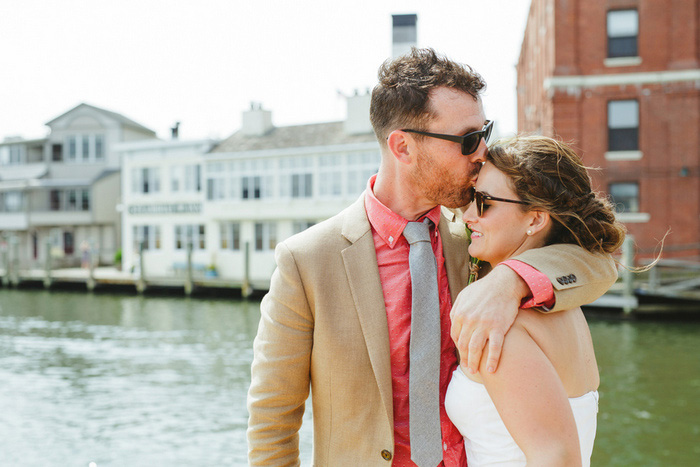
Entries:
{"x":357,"y":121}
{"x":256,"y":121}
{"x":404,"y":34}
{"x":175,"y":131}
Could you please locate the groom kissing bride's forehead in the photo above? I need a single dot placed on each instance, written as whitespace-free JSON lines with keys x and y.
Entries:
{"x":339,"y":318}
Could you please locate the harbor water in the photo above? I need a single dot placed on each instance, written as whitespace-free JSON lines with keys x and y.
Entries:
{"x":119,"y":380}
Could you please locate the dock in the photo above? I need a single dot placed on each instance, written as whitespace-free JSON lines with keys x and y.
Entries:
{"x":111,"y":278}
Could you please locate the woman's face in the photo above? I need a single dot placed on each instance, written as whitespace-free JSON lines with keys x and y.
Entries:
{"x":501,"y":231}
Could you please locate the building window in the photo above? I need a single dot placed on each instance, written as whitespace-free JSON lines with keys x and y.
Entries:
{"x":85,"y":200}
{"x":57,"y":152}
{"x":15,"y":154}
{"x":193,"y":178}
{"x":145,"y":180}
{"x":300,"y":226}
{"x":149,"y":235}
{"x":623,"y":29}
{"x":625,"y":196}
{"x":265,"y":236}
{"x":185,"y":178}
{"x":330,"y":180}
{"x":85,"y":148}
{"x":68,"y":243}
{"x":11,"y":201}
{"x":231,"y":236}
{"x":55,"y":200}
{"x":72,"y":200}
{"x":192,"y":233}
{"x":623,"y":125}
{"x":360,"y":167}
{"x":216,"y":182}
{"x":250,"y":187}
{"x":302,"y":185}
{"x":99,"y":147}
{"x":72,"y":148}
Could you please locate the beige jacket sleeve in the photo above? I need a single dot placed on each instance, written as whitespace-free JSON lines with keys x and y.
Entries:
{"x":280,"y":370}
{"x":578,"y":276}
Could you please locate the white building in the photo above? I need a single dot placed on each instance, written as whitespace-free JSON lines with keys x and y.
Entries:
{"x":61,"y":191}
{"x":162,"y":192}
{"x":254,"y":189}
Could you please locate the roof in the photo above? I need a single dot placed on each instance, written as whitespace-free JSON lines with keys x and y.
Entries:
{"x":315,"y":134}
{"x":114,"y":115}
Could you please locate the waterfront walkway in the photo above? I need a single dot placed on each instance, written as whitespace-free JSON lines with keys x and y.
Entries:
{"x":111,"y":277}
{"x":676,"y":290}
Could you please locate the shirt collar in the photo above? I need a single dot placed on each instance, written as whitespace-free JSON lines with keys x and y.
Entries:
{"x":389,"y":225}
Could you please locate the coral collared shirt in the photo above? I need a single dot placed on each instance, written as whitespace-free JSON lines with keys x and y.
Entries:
{"x":392,"y":258}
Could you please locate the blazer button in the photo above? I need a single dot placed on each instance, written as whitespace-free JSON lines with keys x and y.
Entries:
{"x":386,"y":455}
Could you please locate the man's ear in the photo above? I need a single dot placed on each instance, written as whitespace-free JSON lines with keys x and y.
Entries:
{"x":539,"y":221}
{"x":400,"y":145}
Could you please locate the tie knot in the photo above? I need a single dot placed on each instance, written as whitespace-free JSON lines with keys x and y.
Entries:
{"x":417,"y":231}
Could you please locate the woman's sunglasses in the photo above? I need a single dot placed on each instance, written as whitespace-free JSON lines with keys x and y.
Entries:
{"x":480,"y":199}
{"x":470,"y":141}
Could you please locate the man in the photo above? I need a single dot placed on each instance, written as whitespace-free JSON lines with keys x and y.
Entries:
{"x":337,"y":317}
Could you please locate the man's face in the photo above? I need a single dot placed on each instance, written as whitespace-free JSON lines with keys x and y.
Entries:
{"x":442,"y":174}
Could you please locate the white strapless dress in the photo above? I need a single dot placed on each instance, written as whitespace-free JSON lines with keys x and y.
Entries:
{"x":486,"y":438}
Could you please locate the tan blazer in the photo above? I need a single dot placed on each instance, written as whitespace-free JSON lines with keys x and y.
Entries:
{"x":323,"y":326}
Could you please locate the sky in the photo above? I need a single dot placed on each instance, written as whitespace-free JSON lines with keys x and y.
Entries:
{"x":202,"y":62}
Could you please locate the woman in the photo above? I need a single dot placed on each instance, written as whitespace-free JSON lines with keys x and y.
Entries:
{"x":539,"y":408}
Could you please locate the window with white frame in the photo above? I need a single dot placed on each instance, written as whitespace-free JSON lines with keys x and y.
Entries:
{"x":193,"y":178}
{"x":251,"y":187}
{"x":296,"y":177}
{"x":190,"y":233}
{"x":216,"y":181}
{"x":330,"y":175}
{"x":85,"y":148}
{"x":148,"y":235}
{"x":99,"y":147}
{"x":302,"y":185}
{"x":11,"y":201}
{"x":176,"y":178}
{"x":185,"y":178}
{"x":300,"y":226}
{"x":230,"y":236}
{"x":625,"y":196}
{"x":360,"y":167}
{"x":12,"y":154}
{"x":145,"y":180}
{"x":265,"y":236}
{"x":85,"y":153}
{"x":17,"y":153}
{"x":623,"y":125}
{"x":623,"y":30}
{"x":69,"y":199}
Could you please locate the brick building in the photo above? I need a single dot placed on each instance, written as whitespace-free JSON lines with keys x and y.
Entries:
{"x":621,"y":80}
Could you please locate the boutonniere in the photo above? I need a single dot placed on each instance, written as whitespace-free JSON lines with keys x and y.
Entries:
{"x":474,"y":263}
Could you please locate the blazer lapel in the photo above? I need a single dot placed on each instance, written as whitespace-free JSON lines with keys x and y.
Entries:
{"x":360,"y":261}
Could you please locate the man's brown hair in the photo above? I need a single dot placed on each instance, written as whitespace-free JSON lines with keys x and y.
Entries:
{"x":401,"y":98}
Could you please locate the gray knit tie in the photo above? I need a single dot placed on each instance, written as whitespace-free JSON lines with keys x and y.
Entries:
{"x":424,"y":372}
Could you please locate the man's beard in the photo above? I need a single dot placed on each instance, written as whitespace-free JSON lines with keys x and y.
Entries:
{"x":441,"y":185}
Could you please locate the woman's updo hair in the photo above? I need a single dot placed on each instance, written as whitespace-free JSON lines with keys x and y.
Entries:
{"x":549,"y":176}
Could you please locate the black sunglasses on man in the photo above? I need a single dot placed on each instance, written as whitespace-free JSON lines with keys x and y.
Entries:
{"x":470,"y":141}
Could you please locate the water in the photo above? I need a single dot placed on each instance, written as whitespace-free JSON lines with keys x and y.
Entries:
{"x":132,"y":381}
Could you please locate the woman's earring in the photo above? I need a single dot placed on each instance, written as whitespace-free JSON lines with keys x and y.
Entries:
{"x":529,"y":232}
